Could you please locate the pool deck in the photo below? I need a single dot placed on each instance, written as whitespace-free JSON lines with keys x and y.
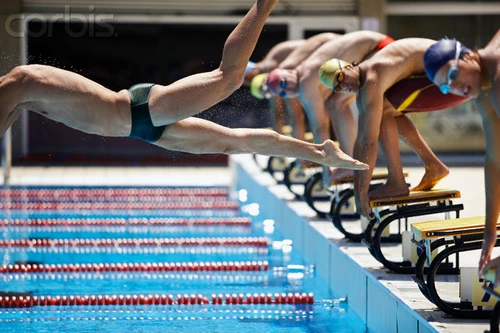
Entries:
{"x":349,"y":267}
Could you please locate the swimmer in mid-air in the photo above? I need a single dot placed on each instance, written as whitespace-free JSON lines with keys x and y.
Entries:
{"x":159,"y":114}
{"x":476,"y":73}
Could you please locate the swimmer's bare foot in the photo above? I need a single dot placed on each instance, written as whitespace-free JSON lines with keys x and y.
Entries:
{"x":341,"y":173}
{"x":389,"y":191}
{"x":432,"y":176}
{"x":337,"y":158}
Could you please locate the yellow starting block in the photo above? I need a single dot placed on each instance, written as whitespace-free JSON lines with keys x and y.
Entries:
{"x":325,"y":201}
{"x":450,"y":238}
{"x":488,"y":287}
{"x":401,"y":209}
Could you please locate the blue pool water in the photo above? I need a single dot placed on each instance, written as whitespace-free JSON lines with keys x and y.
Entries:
{"x":288,"y":273}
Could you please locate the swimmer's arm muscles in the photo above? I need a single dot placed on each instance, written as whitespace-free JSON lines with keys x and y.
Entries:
{"x":319,"y":121}
{"x":491,"y":124}
{"x":275,"y":56}
{"x":370,"y":105}
{"x":301,"y":53}
{"x":297,"y":118}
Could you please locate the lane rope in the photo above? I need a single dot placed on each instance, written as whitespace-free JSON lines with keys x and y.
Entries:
{"x":136,"y":242}
{"x":125,"y":222}
{"x":37,"y":206}
{"x":111,"y":192}
{"x":225,"y":266}
{"x":154,"y":299}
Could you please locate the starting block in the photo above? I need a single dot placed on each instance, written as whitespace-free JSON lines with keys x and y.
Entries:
{"x":328,"y":201}
{"x":401,"y":209}
{"x":295,"y":177}
{"x":488,"y":287}
{"x":343,"y":208}
{"x":450,"y":238}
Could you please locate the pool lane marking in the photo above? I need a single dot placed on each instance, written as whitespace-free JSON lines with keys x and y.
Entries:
{"x":59,"y":206}
{"x":215,"y":266}
{"x":136,"y":242}
{"x":125,"y":222}
{"x":156,"y":299}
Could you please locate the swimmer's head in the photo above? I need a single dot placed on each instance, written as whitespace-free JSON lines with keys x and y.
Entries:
{"x":251,"y":71}
{"x":440,"y":54}
{"x":283,"y":82}
{"x":258,"y":87}
{"x":443,"y":68}
{"x":250,"y":66}
{"x":332,"y":73}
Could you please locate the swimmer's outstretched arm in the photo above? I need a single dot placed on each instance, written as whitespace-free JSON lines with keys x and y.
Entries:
{"x":199,"y":136}
{"x":491,"y":125}
{"x":370,"y":105}
{"x":196,"y":93}
{"x":297,"y":118}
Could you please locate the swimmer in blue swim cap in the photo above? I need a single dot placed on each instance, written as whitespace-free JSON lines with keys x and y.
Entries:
{"x":476,"y":73}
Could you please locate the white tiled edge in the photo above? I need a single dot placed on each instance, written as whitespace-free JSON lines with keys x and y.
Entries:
{"x":385,"y":302}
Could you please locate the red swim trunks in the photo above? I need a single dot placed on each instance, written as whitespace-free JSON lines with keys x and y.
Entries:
{"x":419,"y":94}
{"x":383,"y":43}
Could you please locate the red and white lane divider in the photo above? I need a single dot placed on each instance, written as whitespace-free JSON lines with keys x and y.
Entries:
{"x":126,"y":222}
{"x":137,"y":242}
{"x":226,"y":266}
{"x":119,"y":199}
{"x":91,"y":193}
{"x":37,"y":206}
{"x":157,"y":299}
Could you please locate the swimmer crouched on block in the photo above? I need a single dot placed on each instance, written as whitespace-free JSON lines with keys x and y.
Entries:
{"x":158,"y":114}
{"x":476,"y":73}
{"x":382,"y":83}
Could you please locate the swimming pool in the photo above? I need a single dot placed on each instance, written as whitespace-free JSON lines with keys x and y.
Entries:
{"x":154,"y":259}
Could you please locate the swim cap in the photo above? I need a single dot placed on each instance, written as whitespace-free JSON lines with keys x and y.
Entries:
{"x":439,"y":54}
{"x":250,"y":66}
{"x":328,"y":71}
{"x":274,"y":79}
{"x":256,"y":84}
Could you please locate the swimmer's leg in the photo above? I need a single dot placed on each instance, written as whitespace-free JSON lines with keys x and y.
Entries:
{"x":435,"y":170}
{"x":196,"y":93}
{"x":199,"y":136}
{"x":389,"y":142}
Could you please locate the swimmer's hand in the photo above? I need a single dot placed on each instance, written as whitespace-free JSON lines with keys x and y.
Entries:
{"x":491,"y":271}
{"x":489,"y":241}
{"x":338,"y":159}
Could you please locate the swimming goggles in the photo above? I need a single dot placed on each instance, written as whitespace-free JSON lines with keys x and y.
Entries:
{"x":452,"y":71}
